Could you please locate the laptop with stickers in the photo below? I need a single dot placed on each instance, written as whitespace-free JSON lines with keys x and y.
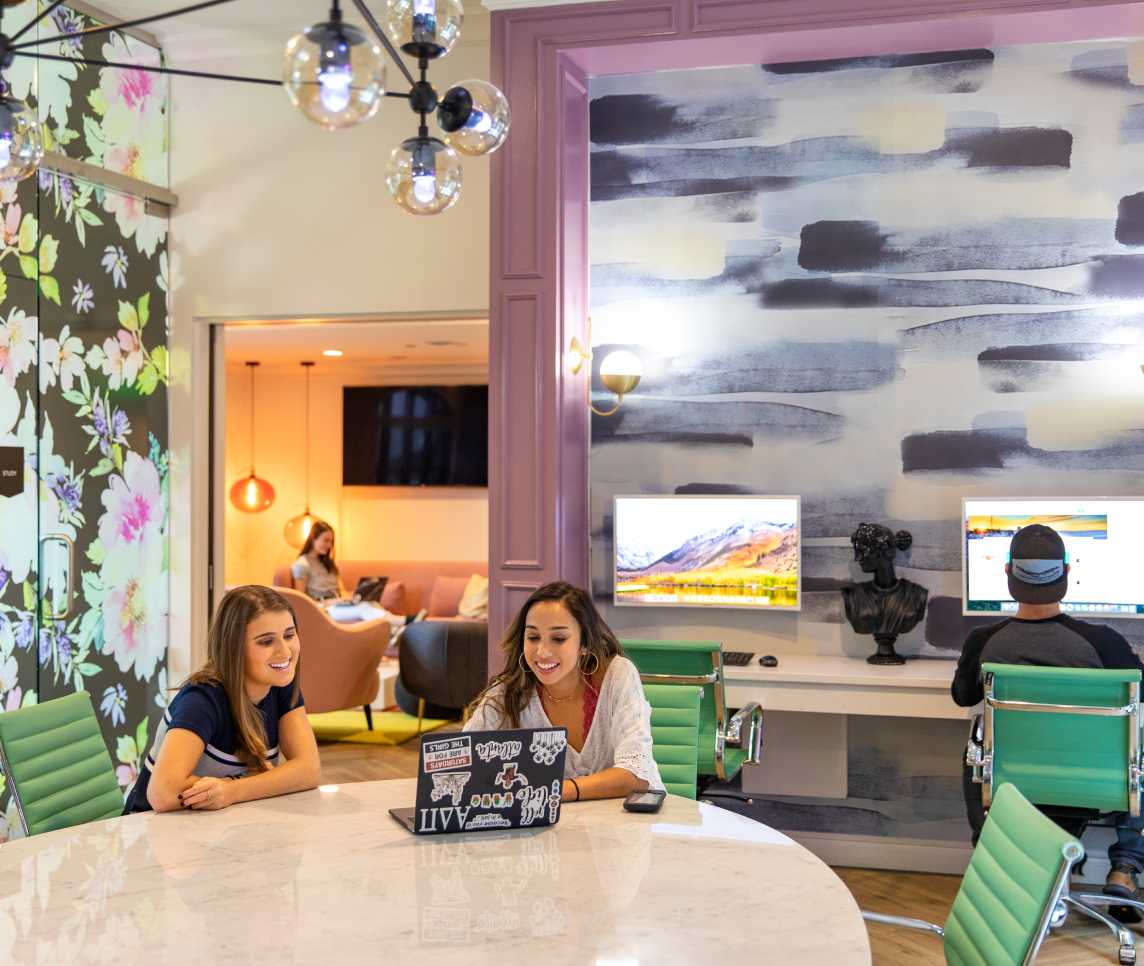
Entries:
{"x":483,"y":780}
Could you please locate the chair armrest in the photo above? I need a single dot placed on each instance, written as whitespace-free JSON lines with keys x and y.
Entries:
{"x":975,"y":749}
{"x":752,"y":716}
{"x":920,"y":924}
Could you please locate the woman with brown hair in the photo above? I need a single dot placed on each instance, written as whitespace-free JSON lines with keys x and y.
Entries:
{"x":565,"y":668}
{"x":222,"y":739}
{"x":316,"y":574}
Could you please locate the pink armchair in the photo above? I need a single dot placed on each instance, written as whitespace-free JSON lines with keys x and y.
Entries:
{"x":339,"y":661}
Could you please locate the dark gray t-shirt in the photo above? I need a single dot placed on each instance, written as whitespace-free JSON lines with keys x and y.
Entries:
{"x":1060,"y":641}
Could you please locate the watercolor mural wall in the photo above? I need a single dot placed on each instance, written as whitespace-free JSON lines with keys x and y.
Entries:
{"x":883,"y":284}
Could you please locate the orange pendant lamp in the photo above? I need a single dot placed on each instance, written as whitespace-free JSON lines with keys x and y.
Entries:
{"x":251,"y":494}
{"x":297,"y":528}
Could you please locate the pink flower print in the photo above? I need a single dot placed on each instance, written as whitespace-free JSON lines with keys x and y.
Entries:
{"x":126,"y":775}
{"x":133,"y":503}
{"x":122,"y":359}
{"x":11,"y":226}
{"x":14,"y":698}
{"x":135,"y":86}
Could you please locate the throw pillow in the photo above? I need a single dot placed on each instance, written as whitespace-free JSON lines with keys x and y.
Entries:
{"x":393,"y":597}
{"x":445,"y":596}
{"x":475,"y":600}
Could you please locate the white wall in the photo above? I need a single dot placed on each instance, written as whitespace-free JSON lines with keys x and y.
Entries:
{"x":279,"y":218}
{"x":371,"y":522}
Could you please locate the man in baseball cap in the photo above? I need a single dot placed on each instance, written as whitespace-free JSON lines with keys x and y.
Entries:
{"x":1040,"y":634}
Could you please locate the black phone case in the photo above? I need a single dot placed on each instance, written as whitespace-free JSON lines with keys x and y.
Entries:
{"x":635,"y":806}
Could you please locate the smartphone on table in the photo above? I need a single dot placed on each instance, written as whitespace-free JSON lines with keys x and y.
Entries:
{"x":646,"y":801}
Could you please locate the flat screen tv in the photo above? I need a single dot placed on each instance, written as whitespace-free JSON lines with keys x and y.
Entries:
{"x":708,"y":551}
{"x":415,"y":436}
{"x":1102,"y":538}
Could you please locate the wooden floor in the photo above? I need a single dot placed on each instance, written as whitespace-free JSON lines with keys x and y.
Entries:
{"x":910,"y":894}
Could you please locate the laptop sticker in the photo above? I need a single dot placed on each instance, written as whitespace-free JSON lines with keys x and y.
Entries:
{"x":510,"y":776}
{"x":502,"y":750}
{"x":534,"y":801}
{"x":448,"y":754}
{"x":498,"y":800}
{"x":546,"y":746}
{"x":487,"y":820}
{"x":450,"y":783}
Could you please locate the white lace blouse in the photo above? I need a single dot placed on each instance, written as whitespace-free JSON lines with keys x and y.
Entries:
{"x":620,"y":735}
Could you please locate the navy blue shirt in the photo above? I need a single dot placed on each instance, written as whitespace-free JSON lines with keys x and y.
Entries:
{"x":204,"y":710}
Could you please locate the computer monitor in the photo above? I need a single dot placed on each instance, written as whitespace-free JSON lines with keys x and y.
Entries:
{"x":1103,"y":537}
{"x":708,"y":551}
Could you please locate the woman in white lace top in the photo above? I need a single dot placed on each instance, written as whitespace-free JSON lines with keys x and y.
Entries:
{"x":564,"y":667}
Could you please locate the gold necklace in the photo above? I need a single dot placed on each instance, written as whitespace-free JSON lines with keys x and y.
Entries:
{"x":555,"y":700}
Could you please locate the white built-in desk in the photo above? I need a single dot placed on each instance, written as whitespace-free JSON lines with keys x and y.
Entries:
{"x":845,"y":685}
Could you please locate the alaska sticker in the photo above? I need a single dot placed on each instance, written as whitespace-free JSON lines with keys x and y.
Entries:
{"x":448,"y":753}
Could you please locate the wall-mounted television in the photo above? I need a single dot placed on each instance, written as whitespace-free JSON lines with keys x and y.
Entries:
{"x":708,"y":551}
{"x":415,"y":436}
{"x":1102,"y":537}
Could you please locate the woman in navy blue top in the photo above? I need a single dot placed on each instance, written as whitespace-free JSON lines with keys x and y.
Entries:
{"x":223,"y":738}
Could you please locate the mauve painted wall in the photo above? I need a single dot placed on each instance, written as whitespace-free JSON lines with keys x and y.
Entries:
{"x":538,"y":492}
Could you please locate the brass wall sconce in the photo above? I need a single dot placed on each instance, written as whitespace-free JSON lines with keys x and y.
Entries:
{"x":620,"y":372}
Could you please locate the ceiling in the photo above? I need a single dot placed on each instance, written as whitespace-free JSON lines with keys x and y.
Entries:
{"x":279,"y":18}
{"x":400,"y":346}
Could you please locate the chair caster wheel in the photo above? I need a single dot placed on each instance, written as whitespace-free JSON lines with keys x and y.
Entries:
{"x":1127,"y":955}
{"x":1060,"y":914}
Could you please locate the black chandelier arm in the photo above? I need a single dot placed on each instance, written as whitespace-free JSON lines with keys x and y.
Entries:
{"x":106,"y":28}
{"x":152,"y":70}
{"x":376,"y":28}
{"x":404,"y":96}
{"x":35,"y":20}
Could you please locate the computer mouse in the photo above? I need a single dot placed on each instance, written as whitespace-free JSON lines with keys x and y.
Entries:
{"x":769,"y":660}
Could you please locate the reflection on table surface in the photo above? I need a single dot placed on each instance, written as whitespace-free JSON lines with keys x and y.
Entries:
{"x":327,"y":876}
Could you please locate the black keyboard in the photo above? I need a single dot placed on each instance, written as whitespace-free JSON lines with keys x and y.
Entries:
{"x":738,"y":658}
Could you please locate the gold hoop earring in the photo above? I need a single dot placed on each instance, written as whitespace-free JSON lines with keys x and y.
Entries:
{"x":585,"y":671}
{"x":523,"y":664}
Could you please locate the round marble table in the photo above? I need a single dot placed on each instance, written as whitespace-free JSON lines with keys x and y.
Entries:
{"x":328,"y":877}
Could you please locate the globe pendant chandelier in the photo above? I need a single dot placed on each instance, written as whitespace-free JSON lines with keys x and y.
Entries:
{"x":334,"y":74}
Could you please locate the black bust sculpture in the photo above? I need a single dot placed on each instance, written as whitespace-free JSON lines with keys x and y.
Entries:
{"x":888,"y":605}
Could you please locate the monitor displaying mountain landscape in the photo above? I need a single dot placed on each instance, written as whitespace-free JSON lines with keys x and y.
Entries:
{"x":708,"y":551}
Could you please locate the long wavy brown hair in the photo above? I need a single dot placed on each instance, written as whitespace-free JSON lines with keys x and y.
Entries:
{"x":516,"y":682}
{"x":320,"y":527}
{"x":226,"y":664}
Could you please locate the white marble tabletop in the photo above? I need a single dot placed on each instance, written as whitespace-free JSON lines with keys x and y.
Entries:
{"x":328,"y":877}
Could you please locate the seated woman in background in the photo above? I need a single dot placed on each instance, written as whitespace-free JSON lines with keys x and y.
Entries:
{"x":565,"y":668}
{"x":222,"y":738}
{"x":315,"y":574}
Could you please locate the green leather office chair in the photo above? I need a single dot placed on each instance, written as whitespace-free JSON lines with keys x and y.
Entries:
{"x":1010,"y":893}
{"x":57,"y":766}
{"x":675,"y":735}
{"x":1069,"y":738}
{"x":724,"y":744}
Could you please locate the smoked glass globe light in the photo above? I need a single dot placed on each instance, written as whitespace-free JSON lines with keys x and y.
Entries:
{"x":424,"y":28}
{"x":21,"y":141}
{"x":475,"y":116}
{"x":298,"y":528}
{"x":334,"y":74}
{"x":251,"y":494}
{"x":424,"y":176}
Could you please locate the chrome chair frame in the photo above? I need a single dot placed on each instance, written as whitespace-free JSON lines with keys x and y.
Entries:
{"x":979,"y":754}
{"x":1070,"y":855}
{"x":12,"y":790}
{"x":727,"y":733}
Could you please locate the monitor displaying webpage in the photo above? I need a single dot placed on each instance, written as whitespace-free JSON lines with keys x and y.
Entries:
{"x":1103,"y":538}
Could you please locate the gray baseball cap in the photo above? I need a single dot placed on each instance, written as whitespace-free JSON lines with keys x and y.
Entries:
{"x":1038,"y":565}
